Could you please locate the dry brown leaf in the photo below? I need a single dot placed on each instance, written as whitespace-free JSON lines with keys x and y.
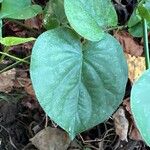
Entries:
{"x":35,"y":22}
{"x":126,"y":104}
{"x":7,"y":80}
{"x":136,"y":66}
{"x":134,"y":133}
{"x":26,"y":84}
{"x":51,"y":139}
{"x":29,"y":89}
{"x":121,"y":124}
{"x":130,"y":46}
{"x":22,"y":81}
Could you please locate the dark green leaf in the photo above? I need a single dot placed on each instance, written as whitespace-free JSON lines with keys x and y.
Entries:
{"x":144,"y":10}
{"x":19,"y":9}
{"x":78,"y":85}
{"x":140,"y":105}
{"x":54,"y":14}
{"x":135,"y":24}
{"x":134,"y":19}
{"x":137,"y":30}
{"x":90,"y":18}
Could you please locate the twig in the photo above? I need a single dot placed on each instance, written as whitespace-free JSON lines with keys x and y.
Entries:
{"x":46,"y":120}
{"x":10,"y":139}
{"x":89,"y":141}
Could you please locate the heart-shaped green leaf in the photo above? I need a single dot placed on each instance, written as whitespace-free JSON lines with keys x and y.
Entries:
{"x":11,"y":41}
{"x":77,"y":85}
{"x":90,"y":18}
{"x":140,"y":105}
{"x":19,"y":9}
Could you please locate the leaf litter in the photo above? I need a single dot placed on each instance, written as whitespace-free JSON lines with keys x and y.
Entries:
{"x":130,"y":46}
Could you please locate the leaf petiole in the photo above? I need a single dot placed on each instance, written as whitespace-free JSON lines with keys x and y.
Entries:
{"x":146,"y":47}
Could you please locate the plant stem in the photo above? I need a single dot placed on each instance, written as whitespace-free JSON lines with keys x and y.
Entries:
{"x":146,"y":48}
{"x":13,"y":57}
{"x":1,"y":25}
{"x":117,"y":27}
{"x":6,"y":49}
{"x":13,"y":65}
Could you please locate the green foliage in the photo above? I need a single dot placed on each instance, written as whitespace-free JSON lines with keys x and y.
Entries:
{"x":141,"y":12}
{"x":90,"y":18}
{"x":11,"y":41}
{"x":19,"y":9}
{"x":140,"y":105}
{"x":135,"y":25}
{"x":78,"y":85}
{"x":144,"y":10}
{"x":54,"y":14}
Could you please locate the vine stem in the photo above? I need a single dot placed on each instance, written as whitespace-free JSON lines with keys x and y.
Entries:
{"x":116,"y":28}
{"x":15,"y":58}
{"x":146,"y":47}
{"x":13,"y":65}
{"x":6,"y":49}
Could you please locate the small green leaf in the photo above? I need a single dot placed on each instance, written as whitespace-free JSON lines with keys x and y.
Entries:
{"x":135,"y":24}
{"x":19,"y":9}
{"x":78,"y":86}
{"x":134,"y":19}
{"x":144,"y":10}
{"x":137,"y":30}
{"x":90,"y":18}
{"x":11,"y":41}
{"x":140,"y":105}
{"x":54,"y":14}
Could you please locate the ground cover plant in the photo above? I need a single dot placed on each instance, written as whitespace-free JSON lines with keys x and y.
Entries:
{"x":78,"y":69}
